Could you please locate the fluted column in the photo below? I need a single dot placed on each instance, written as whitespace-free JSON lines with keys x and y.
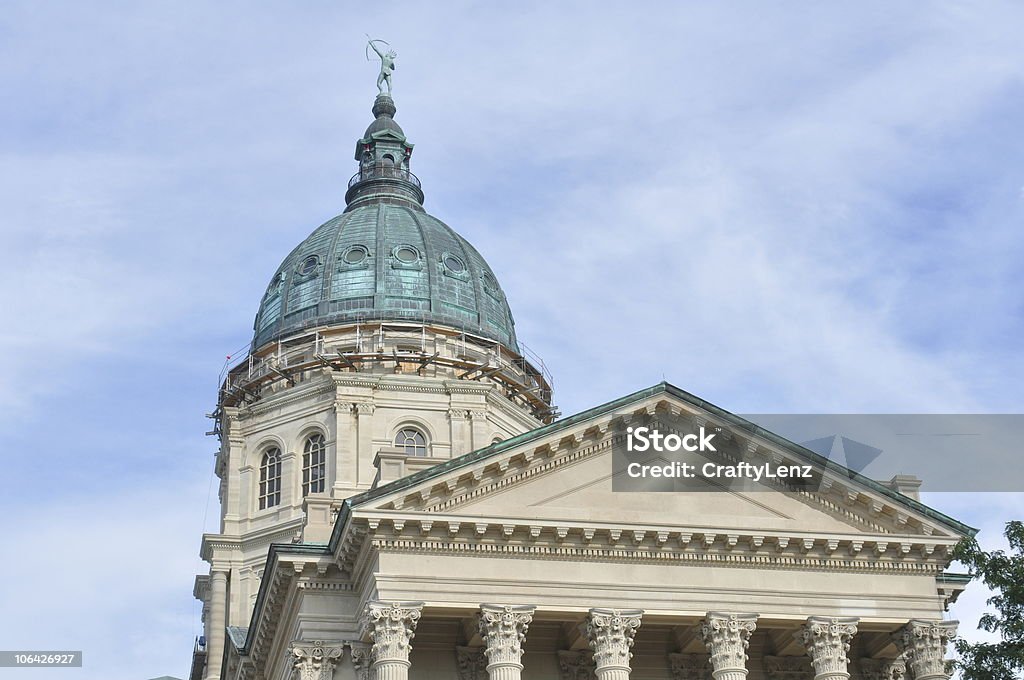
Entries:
{"x":610,"y":632}
{"x":727,"y":637}
{"x":503,"y":630}
{"x":923,"y":644}
{"x":391,"y":626}
{"x":827,"y":640}
{"x":215,"y":631}
{"x":315,"y":660}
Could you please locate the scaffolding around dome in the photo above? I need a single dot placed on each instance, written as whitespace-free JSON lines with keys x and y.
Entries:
{"x":388,"y":347}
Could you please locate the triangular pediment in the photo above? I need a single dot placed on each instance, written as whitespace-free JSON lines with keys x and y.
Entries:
{"x":563,"y":480}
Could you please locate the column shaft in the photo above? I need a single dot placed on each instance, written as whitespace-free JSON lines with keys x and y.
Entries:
{"x":390,"y":670}
{"x":217,"y":623}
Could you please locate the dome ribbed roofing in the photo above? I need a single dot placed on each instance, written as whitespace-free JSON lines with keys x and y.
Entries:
{"x":384,"y":261}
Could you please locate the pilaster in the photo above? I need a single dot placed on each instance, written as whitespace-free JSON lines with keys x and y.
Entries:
{"x":364,"y":440}
{"x":315,"y":660}
{"x":576,"y":664}
{"x":471,"y":663}
{"x":460,"y":435}
{"x":361,"y":654}
{"x":690,"y":666}
{"x":478,"y":427}
{"x":346,"y":436}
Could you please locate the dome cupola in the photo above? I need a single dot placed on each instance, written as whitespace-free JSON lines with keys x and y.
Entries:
{"x":384,"y":258}
{"x":385,"y":288}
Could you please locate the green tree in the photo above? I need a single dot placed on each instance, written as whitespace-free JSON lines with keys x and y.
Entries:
{"x":1004,"y":574}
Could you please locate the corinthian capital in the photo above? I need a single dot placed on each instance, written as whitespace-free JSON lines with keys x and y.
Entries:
{"x":883,"y":669}
{"x":827,"y":640}
{"x":923,"y":644}
{"x":503,"y":630}
{"x":364,"y":408}
{"x":315,"y":660}
{"x":727,"y":637}
{"x":471,"y":663}
{"x":391,"y":626}
{"x":610,"y":632}
{"x":359,"y":653}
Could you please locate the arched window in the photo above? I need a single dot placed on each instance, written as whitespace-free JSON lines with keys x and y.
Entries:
{"x":314,"y":465}
{"x":270,"y":479}
{"x":412,"y":440}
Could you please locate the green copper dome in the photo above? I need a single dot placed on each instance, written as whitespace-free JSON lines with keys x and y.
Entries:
{"x":384,"y":258}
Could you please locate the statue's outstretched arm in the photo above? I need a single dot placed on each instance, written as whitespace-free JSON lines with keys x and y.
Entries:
{"x":376,"y":49}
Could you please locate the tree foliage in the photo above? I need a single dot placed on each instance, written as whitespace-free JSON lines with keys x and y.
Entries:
{"x":1004,"y":574}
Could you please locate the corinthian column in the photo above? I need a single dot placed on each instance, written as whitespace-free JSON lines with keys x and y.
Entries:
{"x":610,"y":632}
{"x":727,"y":637}
{"x":315,"y":660}
{"x":827,"y":640}
{"x":923,"y":644}
{"x":503,"y":630}
{"x":391,"y":626}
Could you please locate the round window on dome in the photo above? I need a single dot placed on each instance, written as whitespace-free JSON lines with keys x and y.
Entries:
{"x":407,"y":254}
{"x":355,"y":255}
{"x":454,"y":264}
{"x":308,"y":265}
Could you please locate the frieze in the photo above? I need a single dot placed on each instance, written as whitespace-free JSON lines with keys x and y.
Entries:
{"x":610,"y":544}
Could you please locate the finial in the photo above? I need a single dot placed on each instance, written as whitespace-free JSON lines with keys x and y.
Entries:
{"x":387,"y":64}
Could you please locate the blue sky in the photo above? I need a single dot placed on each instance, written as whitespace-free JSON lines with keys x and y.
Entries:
{"x":777,"y":206}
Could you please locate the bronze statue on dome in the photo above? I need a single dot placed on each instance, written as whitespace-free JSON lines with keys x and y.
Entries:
{"x":387,"y":63}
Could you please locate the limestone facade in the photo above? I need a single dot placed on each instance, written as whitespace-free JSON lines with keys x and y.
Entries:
{"x":577,"y":580}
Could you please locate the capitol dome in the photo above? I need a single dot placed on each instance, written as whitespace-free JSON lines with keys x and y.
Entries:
{"x":384,"y":258}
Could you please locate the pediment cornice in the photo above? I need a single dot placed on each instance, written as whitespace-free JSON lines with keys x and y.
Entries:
{"x":851,"y":500}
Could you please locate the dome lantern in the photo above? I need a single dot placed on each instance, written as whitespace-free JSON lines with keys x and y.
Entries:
{"x":383,"y":154}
